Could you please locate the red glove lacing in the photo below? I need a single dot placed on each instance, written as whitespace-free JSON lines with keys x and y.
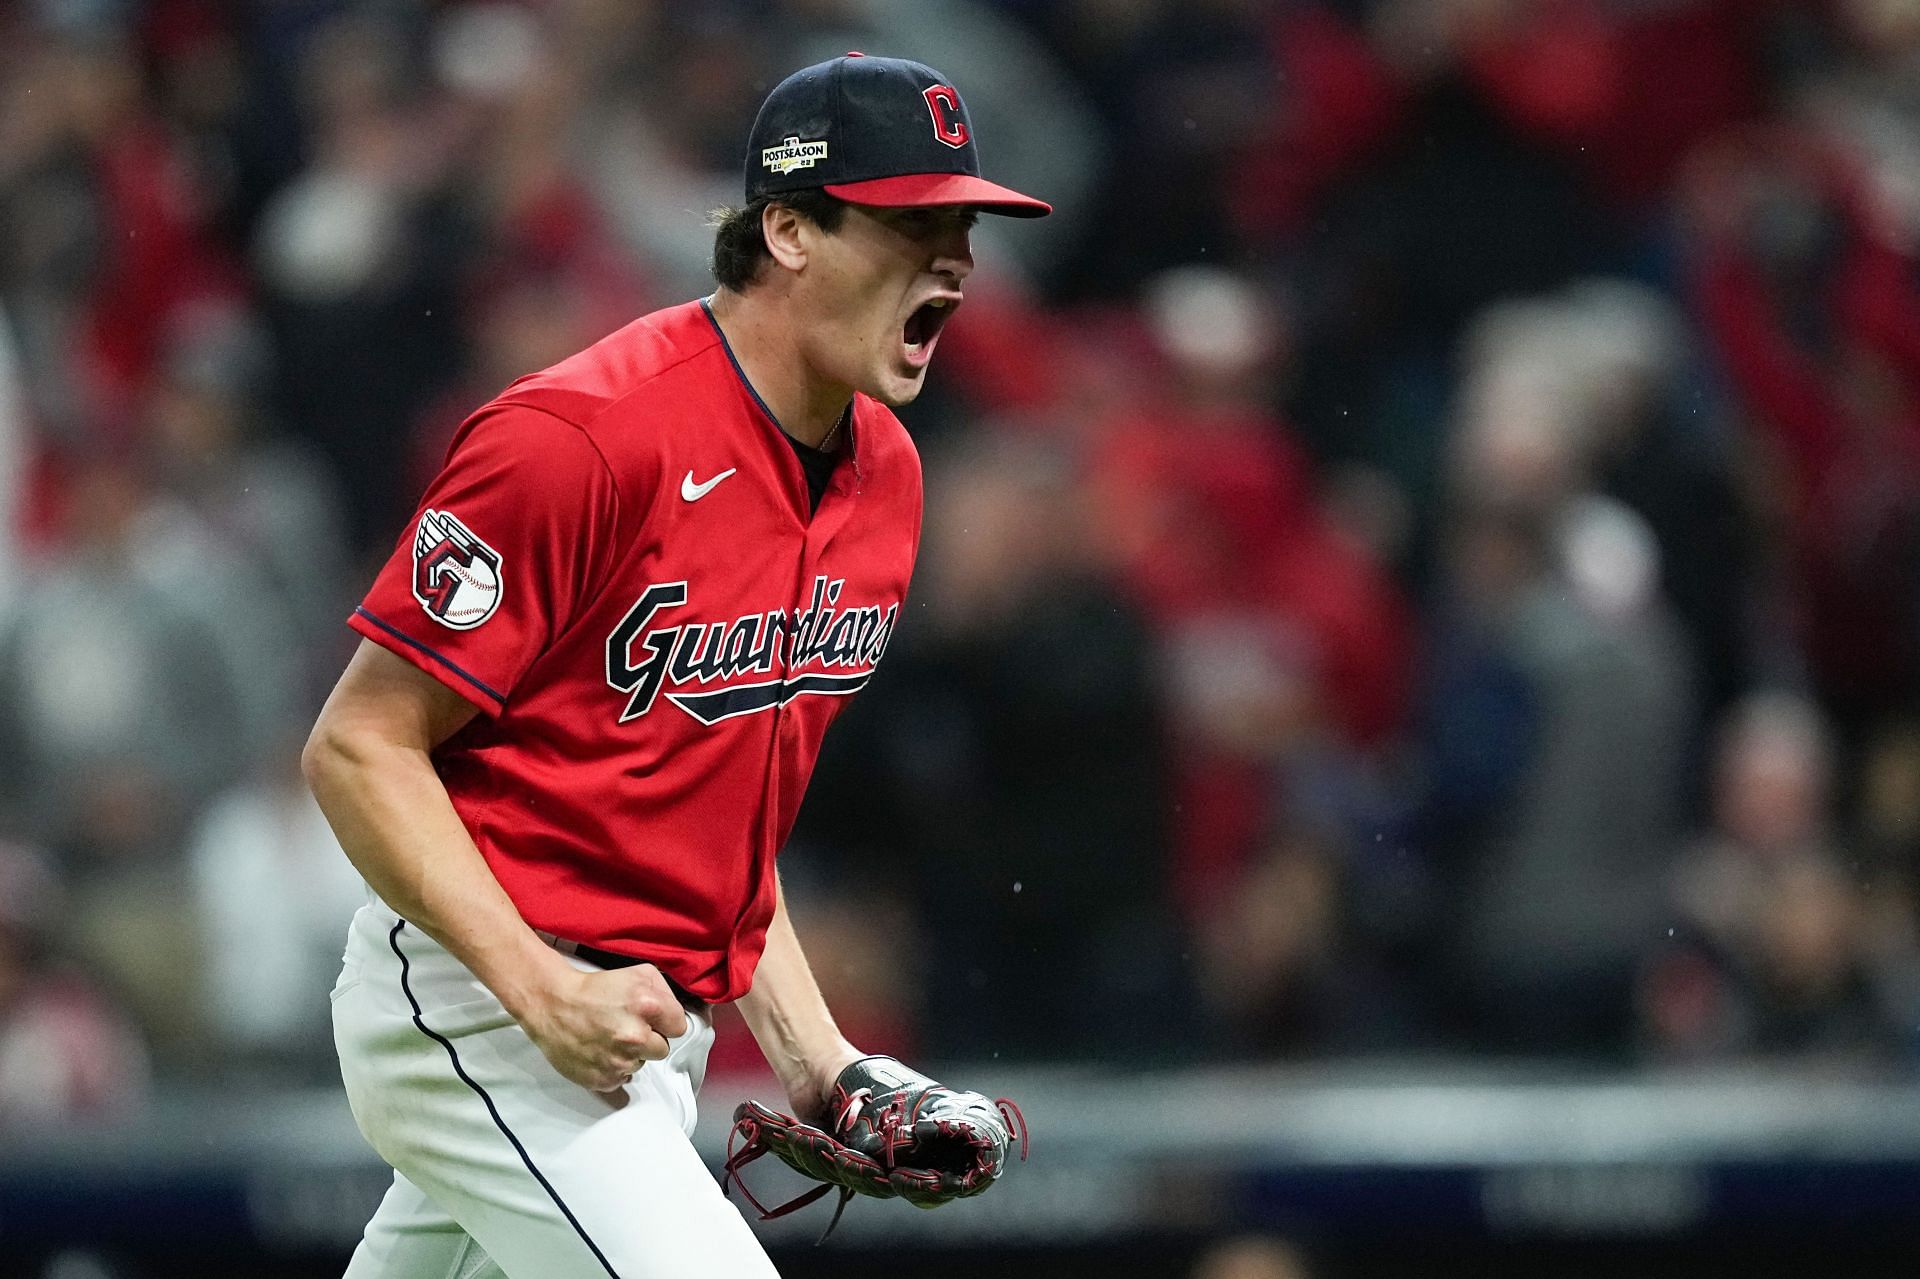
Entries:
{"x":890,"y":1123}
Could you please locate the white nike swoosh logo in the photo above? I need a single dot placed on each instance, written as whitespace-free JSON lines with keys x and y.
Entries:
{"x":694,"y":492}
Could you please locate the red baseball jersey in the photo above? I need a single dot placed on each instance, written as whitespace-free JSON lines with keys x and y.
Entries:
{"x":618,"y":566}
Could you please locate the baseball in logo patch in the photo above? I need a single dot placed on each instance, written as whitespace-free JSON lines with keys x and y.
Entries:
{"x":456,"y":576}
{"x":793,"y":154}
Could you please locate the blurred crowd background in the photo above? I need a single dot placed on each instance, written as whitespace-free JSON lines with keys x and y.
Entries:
{"x":1423,"y":549}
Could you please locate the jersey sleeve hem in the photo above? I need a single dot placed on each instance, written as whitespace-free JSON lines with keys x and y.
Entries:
{"x":404,"y":646}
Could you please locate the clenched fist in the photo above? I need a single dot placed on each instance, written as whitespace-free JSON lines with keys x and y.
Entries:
{"x":598,"y":1028}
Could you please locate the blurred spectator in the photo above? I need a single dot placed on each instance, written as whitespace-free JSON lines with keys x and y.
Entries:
{"x":1456,"y":210}
{"x":1889,"y":821}
{"x":273,"y":893}
{"x":143,"y":668}
{"x":1252,"y":1257}
{"x":526,"y":321}
{"x":264,"y":496}
{"x":1772,"y":804}
{"x":1561,"y":712}
{"x":1580,"y":391}
{"x":178,"y":691}
{"x":112,"y":233}
{"x":1888,"y":865}
{"x":1278,"y":631}
{"x":1592,"y":81}
{"x":1810,"y":314}
{"x":666,"y":118}
{"x":1015,"y":771}
{"x":1281,"y":971}
{"x":51,"y":254}
{"x":358,"y":256}
{"x":1650,"y":452}
{"x":66,"y":1053}
{"x":541,"y":271}
{"x":1777,"y":954}
{"x":1244,"y":114}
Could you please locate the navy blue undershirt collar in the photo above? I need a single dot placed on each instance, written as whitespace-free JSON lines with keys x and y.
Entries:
{"x":706,"y":304}
{"x":816,"y":464}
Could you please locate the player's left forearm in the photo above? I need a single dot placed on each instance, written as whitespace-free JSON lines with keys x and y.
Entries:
{"x":790,"y":1020}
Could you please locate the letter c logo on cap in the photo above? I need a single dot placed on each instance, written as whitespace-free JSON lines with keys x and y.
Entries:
{"x":948,"y":124}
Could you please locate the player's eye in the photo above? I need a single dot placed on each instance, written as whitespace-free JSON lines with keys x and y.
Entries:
{"x":923,"y":224}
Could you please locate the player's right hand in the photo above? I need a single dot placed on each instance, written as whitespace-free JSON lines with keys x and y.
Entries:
{"x":598,"y":1028}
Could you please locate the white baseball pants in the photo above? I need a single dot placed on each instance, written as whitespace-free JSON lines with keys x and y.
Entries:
{"x":502,"y":1167}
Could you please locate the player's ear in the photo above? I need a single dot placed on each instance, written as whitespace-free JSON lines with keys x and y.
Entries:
{"x":783,"y":230}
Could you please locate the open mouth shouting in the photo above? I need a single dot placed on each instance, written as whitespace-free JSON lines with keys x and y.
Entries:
{"x":922,"y":330}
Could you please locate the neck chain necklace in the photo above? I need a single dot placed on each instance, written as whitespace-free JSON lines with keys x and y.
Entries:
{"x":826,"y":441}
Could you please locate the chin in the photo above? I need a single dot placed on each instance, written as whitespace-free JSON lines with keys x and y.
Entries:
{"x":895,"y":391}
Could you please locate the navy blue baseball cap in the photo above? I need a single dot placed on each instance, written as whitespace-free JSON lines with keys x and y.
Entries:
{"x":875,"y":131}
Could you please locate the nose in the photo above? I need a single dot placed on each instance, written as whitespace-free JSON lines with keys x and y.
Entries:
{"x":954,"y":255}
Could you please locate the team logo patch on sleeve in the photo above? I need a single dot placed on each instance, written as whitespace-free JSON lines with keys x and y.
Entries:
{"x":456,"y":576}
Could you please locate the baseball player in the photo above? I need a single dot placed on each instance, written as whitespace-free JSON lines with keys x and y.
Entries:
{"x":593,"y":681}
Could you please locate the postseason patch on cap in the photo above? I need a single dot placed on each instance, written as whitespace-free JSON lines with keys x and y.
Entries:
{"x":793,"y":154}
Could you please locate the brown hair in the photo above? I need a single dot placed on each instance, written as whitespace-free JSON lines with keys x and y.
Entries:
{"x":739,"y":244}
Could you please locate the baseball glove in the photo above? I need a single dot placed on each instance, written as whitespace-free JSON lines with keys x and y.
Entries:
{"x":893,"y":1133}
